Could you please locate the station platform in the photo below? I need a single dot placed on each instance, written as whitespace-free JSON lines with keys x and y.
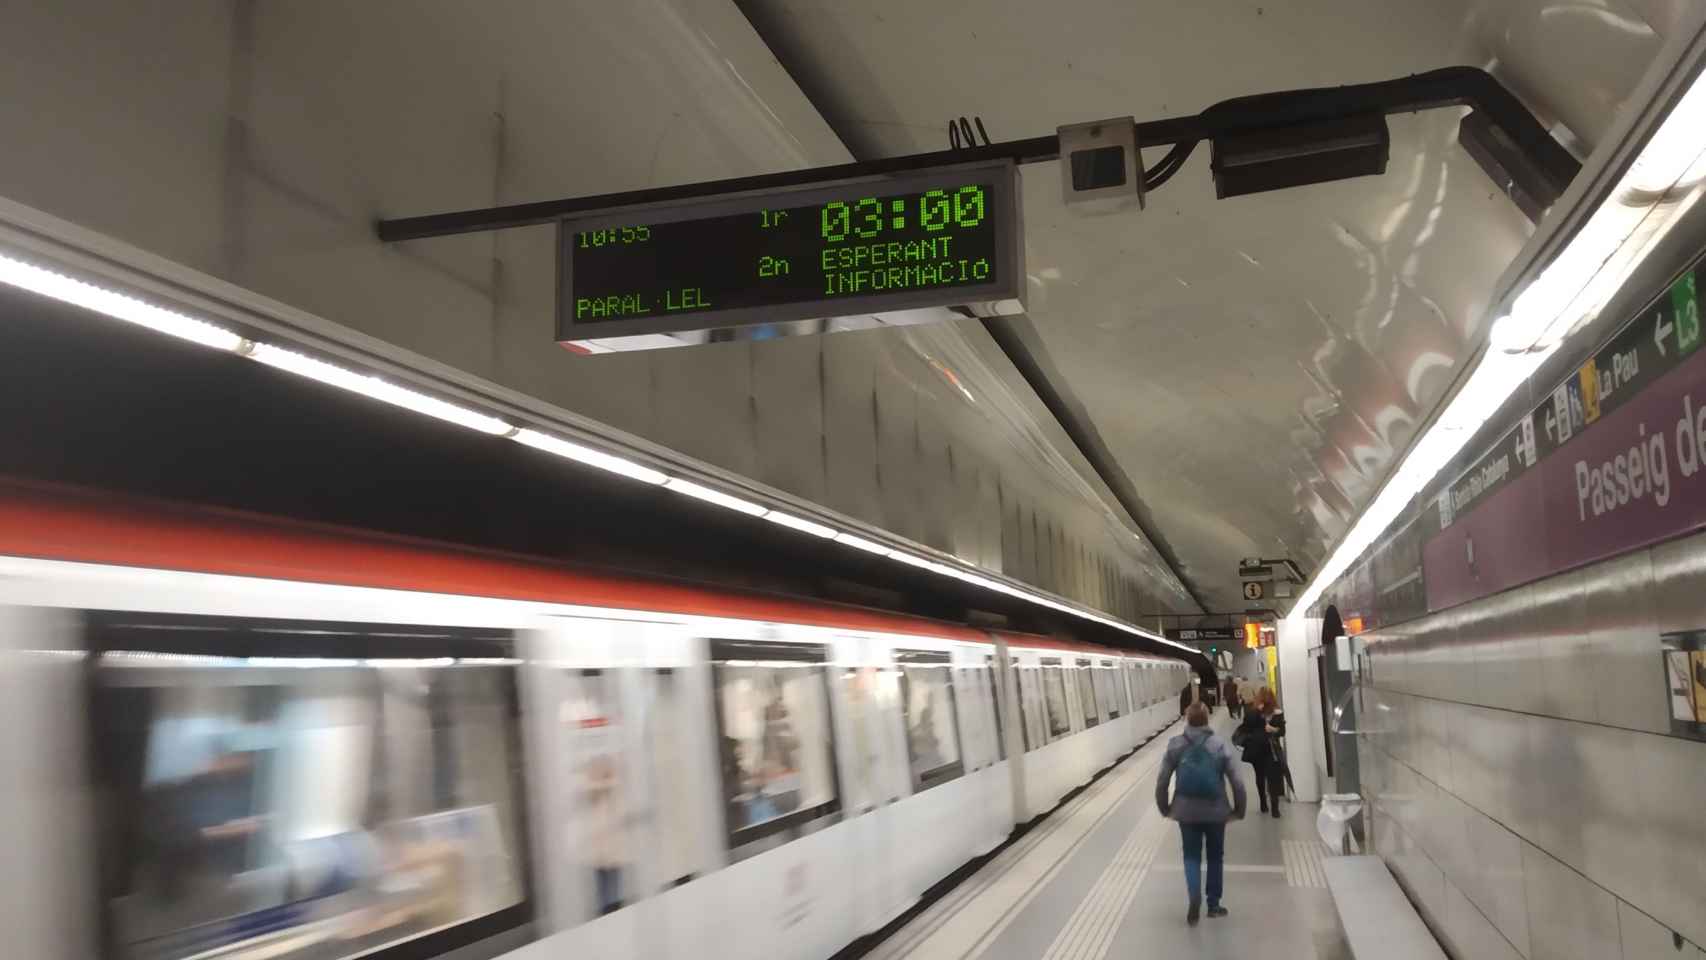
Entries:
{"x":1102,"y":877}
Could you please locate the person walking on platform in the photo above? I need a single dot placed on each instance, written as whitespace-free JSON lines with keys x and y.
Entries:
{"x":1187,"y":696}
{"x":1198,"y":766}
{"x":1257,"y":736}
{"x":1229,"y":691}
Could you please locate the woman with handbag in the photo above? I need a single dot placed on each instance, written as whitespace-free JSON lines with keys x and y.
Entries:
{"x":1257,"y":735}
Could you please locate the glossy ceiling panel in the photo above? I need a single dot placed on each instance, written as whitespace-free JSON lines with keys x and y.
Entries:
{"x":1256,"y":364}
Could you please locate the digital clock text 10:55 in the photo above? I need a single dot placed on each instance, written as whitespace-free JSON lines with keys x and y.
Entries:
{"x":867,"y":217}
{"x":599,"y":238}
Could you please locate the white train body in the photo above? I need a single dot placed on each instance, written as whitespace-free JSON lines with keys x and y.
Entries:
{"x":221,"y":764}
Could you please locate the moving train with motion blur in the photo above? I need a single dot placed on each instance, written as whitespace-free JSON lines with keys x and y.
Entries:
{"x":226,"y":737}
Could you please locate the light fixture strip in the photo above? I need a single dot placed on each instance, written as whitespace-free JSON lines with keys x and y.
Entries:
{"x":111,"y":303}
{"x":801,"y":524}
{"x":375,"y":388}
{"x":860,"y":543}
{"x":717,"y":497}
{"x":121,"y":306}
{"x":579,"y":453}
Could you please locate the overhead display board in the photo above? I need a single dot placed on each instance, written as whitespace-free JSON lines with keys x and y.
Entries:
{"x":1201,"y":634}
{"x":869,"y":245}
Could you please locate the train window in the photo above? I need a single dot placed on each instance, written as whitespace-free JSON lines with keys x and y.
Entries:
{"x":995,"y":705}
{"x":775,"y":741}
{"x":1087,"y":693}
{"x":932,"y":726}
{"x":295,"y":790}
{"x":1054,"y":698}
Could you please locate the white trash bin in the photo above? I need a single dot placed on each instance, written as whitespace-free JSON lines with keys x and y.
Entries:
{"x":1337,"y":811}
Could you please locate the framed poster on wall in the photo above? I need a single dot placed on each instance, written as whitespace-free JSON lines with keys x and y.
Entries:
{"x":1684,"y":665}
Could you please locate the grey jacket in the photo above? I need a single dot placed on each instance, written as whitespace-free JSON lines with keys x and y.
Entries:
{"x":1199,"y":809}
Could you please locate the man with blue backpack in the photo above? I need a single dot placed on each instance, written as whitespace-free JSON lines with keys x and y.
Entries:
{"x":1200,"y":766}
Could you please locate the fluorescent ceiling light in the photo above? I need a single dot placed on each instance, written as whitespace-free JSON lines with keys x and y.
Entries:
{"x":860,"y":543}
{"x":1661,"y":185}
{"x":589,"y":456}
{"x":377,"y":389}
{"x":1664,"y":181}
{"x":919,"y":562}
{"x":1675,"y":147}
{"x":295,"y":663}
{"x":717,"y":497}
{"x":119,"y":306}
{"x":801,"y":524}
{"x":986,"y":583}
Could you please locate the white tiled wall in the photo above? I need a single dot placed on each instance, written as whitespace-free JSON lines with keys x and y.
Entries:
{"x":1524,"y":787}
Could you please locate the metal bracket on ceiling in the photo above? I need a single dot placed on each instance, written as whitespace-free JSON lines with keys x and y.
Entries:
{"x":1533,"y":167}
{"x":1530,"y":183}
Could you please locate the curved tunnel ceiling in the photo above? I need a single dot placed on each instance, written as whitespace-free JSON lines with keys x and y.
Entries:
{"x":1254,"y":365}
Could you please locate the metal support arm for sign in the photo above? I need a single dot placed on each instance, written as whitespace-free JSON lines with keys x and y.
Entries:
{"x":1548,"y":169}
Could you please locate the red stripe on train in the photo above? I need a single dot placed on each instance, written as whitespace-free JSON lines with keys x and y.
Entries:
{"x":55,"y":524}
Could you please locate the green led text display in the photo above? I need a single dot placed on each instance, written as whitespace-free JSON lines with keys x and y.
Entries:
{"x":858,"y":246}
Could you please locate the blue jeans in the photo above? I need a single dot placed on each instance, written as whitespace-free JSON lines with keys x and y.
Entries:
{"x":1193,"y":835}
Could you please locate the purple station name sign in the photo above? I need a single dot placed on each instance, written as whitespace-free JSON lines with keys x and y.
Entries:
{"x":1613,"y":461}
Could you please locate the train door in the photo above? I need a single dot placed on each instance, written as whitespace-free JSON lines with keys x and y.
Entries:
{"x":1028,"y":699}
{"x":1010,"y":712}
{"x":992,"y":684}
{"x":868,"y":723}
{"x":626,"y":812}
{"x":1057,"y":703}
{"x":1108,"y":687}
{"x":971,"y":708}
{"x":672,"y":698}
{"x":979,"y":714}
{"x":1088,"y":709}
{"x":590,"y":785}
{"x":45,"y":809}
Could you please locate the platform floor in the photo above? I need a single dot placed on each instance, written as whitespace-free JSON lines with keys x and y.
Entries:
{"x":1102,"y":877}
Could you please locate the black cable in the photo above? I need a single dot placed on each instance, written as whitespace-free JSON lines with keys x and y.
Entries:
{"x":960,"y":134}
{"x":1169,"y":165}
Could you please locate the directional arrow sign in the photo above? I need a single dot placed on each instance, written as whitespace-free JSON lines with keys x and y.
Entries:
{"x":1661,"y":333}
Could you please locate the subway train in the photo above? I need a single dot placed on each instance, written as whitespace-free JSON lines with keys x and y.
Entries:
{"x":229,"y":737}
